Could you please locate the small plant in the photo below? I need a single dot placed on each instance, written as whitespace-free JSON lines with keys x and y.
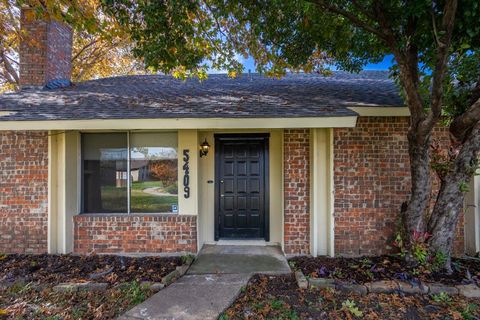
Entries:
{"x":467,"y":313}
{"x":258,"y":305}
{"x":291,"y":314}
{"x":369,"y":274}
{"x":415,"y":272}
{"x":350,"y":307}
{"x":420,"y":253}
{"x":329,"y":290}
{"x":223,"y":317}
{"x":292,"y":264}
{"x":276,"y":304}
{"x":442,"y":297}
{"x":464,"y":187}
{"x":438,"y":261}
{"x":187,"y":259}
{"x":366,"y":263}
{"x":424,"y":259}
{"x":135,"y":293}
{"x":420,"y":250}
{"x":337,"y":273}
{"x":399,"y":244}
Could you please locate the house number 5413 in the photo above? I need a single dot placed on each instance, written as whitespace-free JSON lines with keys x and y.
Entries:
{"x":186,"y":173}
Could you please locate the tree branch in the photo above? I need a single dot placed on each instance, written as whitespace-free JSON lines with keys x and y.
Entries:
{"x":439,"y":72}
{"x":93,"y":42}
{"x":462,"y":124}
{"x":8,"y":67}
{"x":363,"y":10}
{"x":350,"y":16}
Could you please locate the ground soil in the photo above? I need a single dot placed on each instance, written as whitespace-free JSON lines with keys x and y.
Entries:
{"x":54,"y":269}
{"x":367,"y":269}
{"x":278,"y":297}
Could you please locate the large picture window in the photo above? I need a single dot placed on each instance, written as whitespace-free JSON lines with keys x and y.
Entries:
{"x":129,"y":172}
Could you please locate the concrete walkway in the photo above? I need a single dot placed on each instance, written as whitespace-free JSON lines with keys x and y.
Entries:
{"x":211,"y":284}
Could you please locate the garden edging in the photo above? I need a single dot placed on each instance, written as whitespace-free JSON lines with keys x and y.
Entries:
{"x":388,"y":286}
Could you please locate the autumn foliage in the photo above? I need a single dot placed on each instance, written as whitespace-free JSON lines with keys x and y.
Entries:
{"x":165,"y":171}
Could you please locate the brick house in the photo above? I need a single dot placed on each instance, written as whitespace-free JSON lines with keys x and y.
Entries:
{"x":318,"y":165}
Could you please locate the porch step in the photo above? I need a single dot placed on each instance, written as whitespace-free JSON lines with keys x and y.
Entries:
{"x":217,"y":259}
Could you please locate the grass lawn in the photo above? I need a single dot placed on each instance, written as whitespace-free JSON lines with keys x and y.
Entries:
{"x":140,"y":185}
{"x":141,"y":202}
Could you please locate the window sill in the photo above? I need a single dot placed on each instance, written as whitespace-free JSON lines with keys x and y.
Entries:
{"x":127,"y":214}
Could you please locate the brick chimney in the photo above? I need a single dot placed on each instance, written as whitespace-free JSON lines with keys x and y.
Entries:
{"x":45,"y":50}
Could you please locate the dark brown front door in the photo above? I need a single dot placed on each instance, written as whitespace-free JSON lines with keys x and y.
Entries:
{"x":241,"y":186}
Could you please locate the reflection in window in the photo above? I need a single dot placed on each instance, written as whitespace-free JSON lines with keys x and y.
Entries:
{"x":104,"y":172}
{"x":153,"y":170}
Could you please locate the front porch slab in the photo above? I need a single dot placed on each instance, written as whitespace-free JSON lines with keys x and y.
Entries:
{"x":238,"y":259}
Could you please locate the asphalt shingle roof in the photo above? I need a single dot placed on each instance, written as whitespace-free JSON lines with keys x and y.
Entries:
{"x":249,"y":96}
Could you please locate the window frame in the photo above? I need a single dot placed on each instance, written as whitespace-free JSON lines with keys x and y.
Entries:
{"x":129,"y":187}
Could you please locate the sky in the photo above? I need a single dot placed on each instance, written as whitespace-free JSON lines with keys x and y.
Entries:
{"x":384,"y":65}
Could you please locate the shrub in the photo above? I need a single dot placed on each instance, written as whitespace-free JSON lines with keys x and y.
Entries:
{"x":164,"y":170}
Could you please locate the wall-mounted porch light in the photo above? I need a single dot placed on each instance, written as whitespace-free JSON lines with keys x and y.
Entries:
{"x":204,"y":147}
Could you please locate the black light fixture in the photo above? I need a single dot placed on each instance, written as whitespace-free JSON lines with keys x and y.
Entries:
{"x":204,"y":147}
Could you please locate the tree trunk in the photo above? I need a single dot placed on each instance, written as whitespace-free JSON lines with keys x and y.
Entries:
{"x":444,"y":219}
{"x":419,"y":152}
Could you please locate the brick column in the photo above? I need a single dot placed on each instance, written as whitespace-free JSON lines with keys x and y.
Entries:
{"x":296,"y":159}
{"x":23,"y":191}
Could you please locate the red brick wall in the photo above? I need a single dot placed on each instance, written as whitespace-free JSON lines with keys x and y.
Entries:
{"x":23,"y":191}
{"x":135,"y":233}
{"x":372,"y":180}
{"x":45,"y":51}
{"x":296,"y":148}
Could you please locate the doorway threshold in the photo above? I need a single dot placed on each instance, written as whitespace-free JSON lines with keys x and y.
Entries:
{"x":264,"y":243}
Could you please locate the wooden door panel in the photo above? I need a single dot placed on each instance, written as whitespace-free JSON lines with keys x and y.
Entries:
{"x":241,"y":176}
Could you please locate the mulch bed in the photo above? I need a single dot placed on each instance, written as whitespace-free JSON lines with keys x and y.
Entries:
{"x":387,"y":267}
{"x":28,"y":282}
{"x":278,"y":297}
{"x":54,"y":269}
{"x":24,"y":302}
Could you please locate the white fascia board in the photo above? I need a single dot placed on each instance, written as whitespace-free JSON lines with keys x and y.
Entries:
{"x":183,"y":123}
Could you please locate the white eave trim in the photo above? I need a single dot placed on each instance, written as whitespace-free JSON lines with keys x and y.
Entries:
{"x":381,"y":111}
{"x":183,"y":123}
